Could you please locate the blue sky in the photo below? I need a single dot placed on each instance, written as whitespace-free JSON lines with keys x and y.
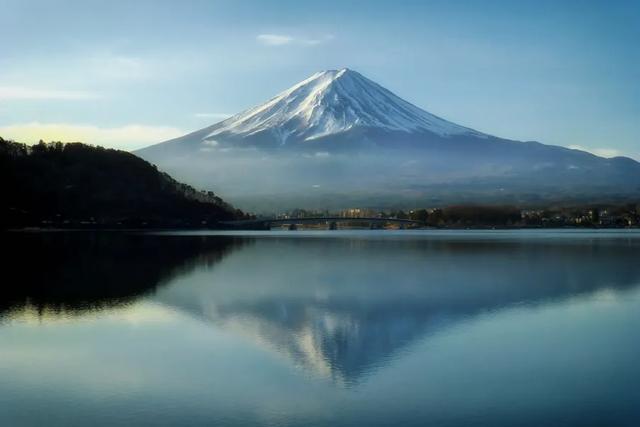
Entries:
{"x":131,"y":73}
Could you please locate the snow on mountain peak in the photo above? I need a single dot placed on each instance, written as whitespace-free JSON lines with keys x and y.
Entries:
{"x":330,"y":102}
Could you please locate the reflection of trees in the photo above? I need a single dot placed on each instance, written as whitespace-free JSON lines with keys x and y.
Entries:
{"x":78,"y":271}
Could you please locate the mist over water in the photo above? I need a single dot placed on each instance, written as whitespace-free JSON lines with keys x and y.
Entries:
{"x":321,"y":328}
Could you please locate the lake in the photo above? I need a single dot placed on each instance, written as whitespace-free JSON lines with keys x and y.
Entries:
{"x":321,"y":328}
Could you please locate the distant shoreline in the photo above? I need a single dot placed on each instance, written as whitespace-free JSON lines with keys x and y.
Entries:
{"x":142,"y":230}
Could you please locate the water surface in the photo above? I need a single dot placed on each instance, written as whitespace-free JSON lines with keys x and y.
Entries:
{"x":442,"y":328}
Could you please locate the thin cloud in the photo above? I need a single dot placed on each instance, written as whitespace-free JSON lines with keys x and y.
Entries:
{"x":313,"y":42}
{"x":128,"y":137}
{"x":28,"y":93}
{"x":284,"y":39}
{"x":602,"y":152}
{"x":274,"y":39}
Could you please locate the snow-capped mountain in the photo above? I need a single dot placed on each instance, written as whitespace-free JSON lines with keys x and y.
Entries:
{"x":331,"y":102}
{"x":338,"y":138}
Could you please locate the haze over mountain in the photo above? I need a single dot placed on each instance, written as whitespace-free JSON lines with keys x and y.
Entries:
{"x":338,"y":139}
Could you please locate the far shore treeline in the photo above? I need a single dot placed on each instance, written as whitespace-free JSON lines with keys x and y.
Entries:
{"x":494,"y":216}
{"x":77,"y":185}
{"x":74,"y":185}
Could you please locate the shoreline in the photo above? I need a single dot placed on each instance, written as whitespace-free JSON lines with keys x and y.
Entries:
{"x":198,"y":229}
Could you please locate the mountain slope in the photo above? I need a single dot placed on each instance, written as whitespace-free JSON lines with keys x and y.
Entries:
{"x":75,"y":184}
{"x":339,"y":137}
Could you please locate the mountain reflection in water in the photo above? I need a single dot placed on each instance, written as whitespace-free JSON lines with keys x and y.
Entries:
{"x":337,"y":307}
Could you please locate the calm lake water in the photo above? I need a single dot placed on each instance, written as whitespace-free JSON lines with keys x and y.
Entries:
{"x":335,"y":328}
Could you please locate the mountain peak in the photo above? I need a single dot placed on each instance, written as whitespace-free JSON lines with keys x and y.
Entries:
{"x":332,"y":102}
{"x":337,"y":139}
{"x":337,"y":72}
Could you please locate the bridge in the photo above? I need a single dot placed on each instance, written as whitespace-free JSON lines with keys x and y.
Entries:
{"x":331,"y":221}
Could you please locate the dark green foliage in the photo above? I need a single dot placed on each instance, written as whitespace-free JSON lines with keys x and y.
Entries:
{"x":419,"y":215}
{"x":481,"y":215}
{"x":75,"y":184}
{"x":399,"y":214}
{"x":469,"y":216}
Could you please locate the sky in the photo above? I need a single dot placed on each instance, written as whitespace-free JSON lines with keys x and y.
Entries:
{"x":127,"y":74}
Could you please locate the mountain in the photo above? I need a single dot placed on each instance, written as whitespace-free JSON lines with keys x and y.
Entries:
{"x":71,"y":185}
{"x":326,"y":104}
{"x":338,"y":139}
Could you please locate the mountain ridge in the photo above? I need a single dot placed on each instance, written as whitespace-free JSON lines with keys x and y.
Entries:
{"x":338,"y":132}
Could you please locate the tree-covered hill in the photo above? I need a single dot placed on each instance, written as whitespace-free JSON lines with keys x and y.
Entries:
{"x":69,"y":185}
